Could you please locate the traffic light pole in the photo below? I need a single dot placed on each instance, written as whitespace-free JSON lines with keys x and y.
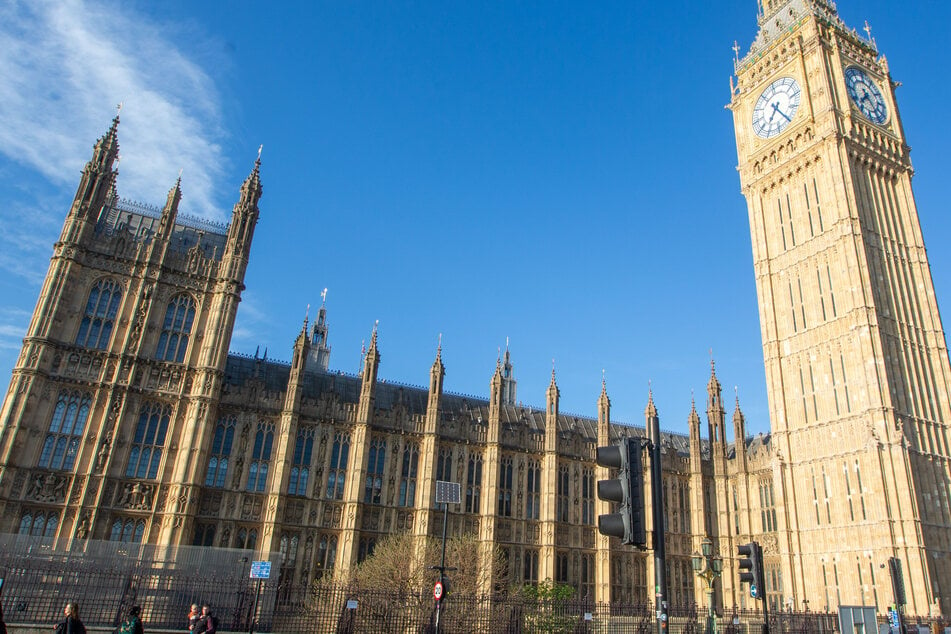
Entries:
{"x":660,"y":549}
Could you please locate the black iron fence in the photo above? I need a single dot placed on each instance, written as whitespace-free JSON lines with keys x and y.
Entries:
{"x":107,"y":579}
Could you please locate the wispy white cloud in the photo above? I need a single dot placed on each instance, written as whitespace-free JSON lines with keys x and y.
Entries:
{"x":13,"y":325}
{"x":25,"y":247}
{"x":253,"y":317}
{"x":64,"y":64}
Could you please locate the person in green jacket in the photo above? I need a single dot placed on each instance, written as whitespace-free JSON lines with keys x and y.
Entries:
{"x":132,"y":623}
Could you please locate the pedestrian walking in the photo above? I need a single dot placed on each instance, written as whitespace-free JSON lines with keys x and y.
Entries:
{"x":193,"y":615}
{"x":207,"y":622}
{"x":132,"y":623}
{"x":71,"y":623}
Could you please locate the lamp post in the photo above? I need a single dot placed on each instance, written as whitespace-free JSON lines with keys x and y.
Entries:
{"x":708,"y":567}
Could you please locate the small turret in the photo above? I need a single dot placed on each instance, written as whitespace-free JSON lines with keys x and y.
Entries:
{"x":495,"y":393}
{"x":696,"y":446}
{"x":99,"y":176}
{"x":436,"y":375}
{"x":552,"y":396}
{"x":650,"y":413}
{"x":244,"y":217}
{"x":739,"y":434}
{"x":604,"y":413}
{"x":508,"y":377}
{"x":319,"y":348}
{"x":301,"y":347}
{"x":716,"y":415}
{"x":170,"y":211}
{"x":371,"y":366}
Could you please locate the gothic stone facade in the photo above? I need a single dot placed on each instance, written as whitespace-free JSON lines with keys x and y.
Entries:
{"x":127,"y":419}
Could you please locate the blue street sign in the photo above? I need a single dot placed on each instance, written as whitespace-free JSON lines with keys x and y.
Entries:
{"x":753,"y":591}
{"x":260,"y":569}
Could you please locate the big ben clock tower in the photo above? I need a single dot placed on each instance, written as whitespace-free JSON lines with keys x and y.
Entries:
{"x":856,"y":360}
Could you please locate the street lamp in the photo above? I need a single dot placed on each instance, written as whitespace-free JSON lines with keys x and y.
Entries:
{"x":708,"y":567}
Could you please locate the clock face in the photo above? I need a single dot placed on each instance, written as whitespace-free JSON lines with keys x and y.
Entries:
{"x":776,"y":107}
{"x":866,"y":95}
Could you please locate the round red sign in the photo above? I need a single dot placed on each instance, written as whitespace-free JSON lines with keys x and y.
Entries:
{"x":437,"y":590}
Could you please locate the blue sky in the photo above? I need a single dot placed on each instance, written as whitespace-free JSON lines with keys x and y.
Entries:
{"x":561,"y":174}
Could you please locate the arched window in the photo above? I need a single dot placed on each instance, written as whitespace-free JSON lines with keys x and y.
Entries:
{"x":561,"y":567}
{"x":505,"y":487}
{"x":444,"y":465}
{"x":533,"y":490}
{"x":204,"y":535}
{"x":587,"y":496}
{"x":474,"y":483}
{"x":39,"y":524}
{"x":247,"y":539}
{"x":326,"y":554}
{"x":149,"y":439}
{"x":95,"y":329}
{"x":128,"y":531}
{"x":66,"y":431}
{"x":530,"y":571}
{"x":407,"y":495}
{"x":373,"y":486}
{"x":338,"y":466}
{"x":563,"y":493}
{"x":367,"y":545}
{"x":300,"y":469}
{"x":220,"y":452}
{"x":260,"y":457}
{"x":175,"y":329}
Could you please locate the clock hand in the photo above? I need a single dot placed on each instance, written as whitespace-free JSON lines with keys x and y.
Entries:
{"x":776,"y":110}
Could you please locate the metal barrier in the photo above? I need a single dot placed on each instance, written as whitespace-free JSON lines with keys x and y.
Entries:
{"x":107,"y":578}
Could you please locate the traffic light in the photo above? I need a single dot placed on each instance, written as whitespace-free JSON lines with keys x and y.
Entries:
{"x":751,"y":569}
{"x":628,"y":489}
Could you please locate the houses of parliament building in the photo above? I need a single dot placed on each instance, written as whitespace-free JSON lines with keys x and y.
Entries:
{"x":128,"y":419}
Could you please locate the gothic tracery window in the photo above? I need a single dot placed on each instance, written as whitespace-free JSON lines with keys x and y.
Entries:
{"x":220,"y":452}
{"x":300,"y":468}
{"x":148,"y":441}
{"x":176,"y":328}
{"x":127,"y":530}
{"x":373,"y":486}
{"x":563,"y":494}
{"x":366,"y":547}
{"x":532,"y":490}
{"x":260,"y":457}
{"x":561,"y":567}
{"x":407,"y":496}
{"x":530,"y":569}
{"x":505,"y":487}
{"x":204,"y":535}
{"x":39,"y":523}
{"x":444,"y":465}
{"x":99,"y":317}
{"x":587,"y":496}
{"x":474,"y":483}
{"x":326,"y":554}
{"x":337,"y":475}
{"x":66,"y":431}
{"x":246,"y":539}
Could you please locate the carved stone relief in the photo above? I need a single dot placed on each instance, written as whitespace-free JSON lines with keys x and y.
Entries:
{"x":251,"y":508}
{"x":137,"y":496}
{"x":49,"y":488}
